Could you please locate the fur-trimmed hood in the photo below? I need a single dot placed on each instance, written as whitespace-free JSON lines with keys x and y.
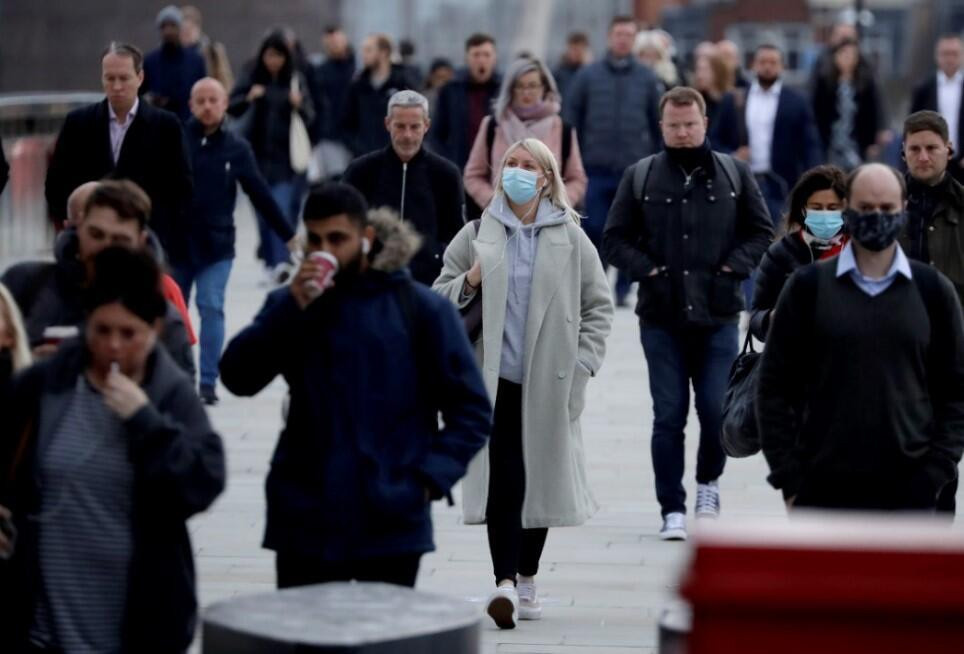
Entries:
{"x":396,"y":242}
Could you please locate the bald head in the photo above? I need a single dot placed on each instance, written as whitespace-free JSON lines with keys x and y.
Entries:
{"x":209,"y":102}
{"x":77,"y":201}
{"x":875,"y":187}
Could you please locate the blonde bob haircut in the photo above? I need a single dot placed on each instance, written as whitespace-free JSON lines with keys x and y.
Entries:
{"x":20,"y":350}
{"x":555,"y":190}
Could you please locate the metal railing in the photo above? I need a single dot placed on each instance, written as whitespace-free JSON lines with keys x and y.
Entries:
{"x":29,"y":124}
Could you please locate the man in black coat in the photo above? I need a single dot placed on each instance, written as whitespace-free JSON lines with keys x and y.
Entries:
{"x":122,"y":137}
{"x":689,"y":225}
{"x":370,"y":361}
{"x":943,"y":92}
{"x":424,"y":188}
{"x":368,"y":96}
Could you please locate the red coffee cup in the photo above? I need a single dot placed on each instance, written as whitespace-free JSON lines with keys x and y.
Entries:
{"x":327,"y":268}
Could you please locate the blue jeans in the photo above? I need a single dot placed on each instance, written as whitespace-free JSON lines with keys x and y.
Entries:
{"x":674,"y":357}
{"x":272,"y":249}
{"x":211,"y":281}
{"x":600,"y":193}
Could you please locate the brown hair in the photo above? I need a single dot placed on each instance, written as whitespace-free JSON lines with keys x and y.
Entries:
{"x":683,"y":96}
{"x":478,"y":39}
{"x":126,"y":198}
{"x":926,"y":121}
{"x":620,"y":20}
{"x":818,"y":178}
{"x":576,"y":38}
{"x":125,"y":50}
{"x":383,"y":42}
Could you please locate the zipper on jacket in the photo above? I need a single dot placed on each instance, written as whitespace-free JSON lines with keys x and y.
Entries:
{"x":401,"y":212}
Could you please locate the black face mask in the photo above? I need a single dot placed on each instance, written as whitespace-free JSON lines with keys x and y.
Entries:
{"x":875,"y":230}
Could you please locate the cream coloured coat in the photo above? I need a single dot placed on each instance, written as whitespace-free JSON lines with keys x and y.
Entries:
{"x":570,"y":316}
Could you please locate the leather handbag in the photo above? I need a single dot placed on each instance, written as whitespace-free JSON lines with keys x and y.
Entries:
{"x":740,"y":436}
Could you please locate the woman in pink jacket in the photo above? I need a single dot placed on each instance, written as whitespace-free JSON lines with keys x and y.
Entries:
{"x":527,"y":107}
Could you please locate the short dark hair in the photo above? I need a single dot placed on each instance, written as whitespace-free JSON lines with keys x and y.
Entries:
{"x":383,"y":42}
{"x":477,"y":39}
{"x":852,"y":177}
{"x":127,"y":199}
{"x":947,"y":36}
{"x":682,"y":96}
{"x":621,"y":19}
{"x":926,"y":121}
{"x":577,"y":38}
{"x":333,"y":199}
{"x":331,"y":29}
{"x":125,"y":50}
{"x":132,"y":278}
{"x":818,"y":178}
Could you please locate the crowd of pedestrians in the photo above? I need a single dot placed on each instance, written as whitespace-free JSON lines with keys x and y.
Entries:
{"x":446,"y":301}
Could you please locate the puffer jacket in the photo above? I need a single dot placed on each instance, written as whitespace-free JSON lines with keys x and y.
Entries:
{"x":614,"y":106}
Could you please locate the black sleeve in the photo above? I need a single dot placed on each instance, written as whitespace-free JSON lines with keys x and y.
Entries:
{"x":4,"y":169}
{"x":918,"y":100}
{"x":254,"y":184}
{"x":256,"y":356}
{"x":349,"y":119}
{"x":652,"y":115}
{"x":57,"y":187}
{"x":178,"y":454}
{"x":451,"y":209}
{"x":175,"y":339}
{"x":770,"y":279}
{"x":782,"y":381}
{"x":177,"y":166}
{"x":623,"y":242}
{"x":754,"y":228}
{"x":439,"y":133}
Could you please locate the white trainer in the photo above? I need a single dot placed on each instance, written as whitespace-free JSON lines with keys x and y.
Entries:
{"x":708,"y":500}
{"x":503,"y":607}
{"x":674,"y":527}
{"x":529,"y":606}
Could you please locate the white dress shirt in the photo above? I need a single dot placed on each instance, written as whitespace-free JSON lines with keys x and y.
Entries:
{"x":118,"y":130}
{"x":761,"y":115}
{"x":949,"y":102}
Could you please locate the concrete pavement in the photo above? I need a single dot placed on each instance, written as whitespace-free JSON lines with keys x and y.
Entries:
{"x":603,"y":584}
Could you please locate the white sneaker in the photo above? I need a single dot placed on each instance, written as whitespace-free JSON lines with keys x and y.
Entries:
{"x":503,"y":607}
{"x":529,"y":606}
{"x":708,"y":500}
{"x":674,"y":527}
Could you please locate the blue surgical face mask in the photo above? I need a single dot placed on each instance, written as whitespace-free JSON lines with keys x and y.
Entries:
{"x":519,"y":184}
{"x":824,"y":224}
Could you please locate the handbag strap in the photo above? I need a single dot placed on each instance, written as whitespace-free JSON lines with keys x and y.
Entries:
{"x":748,"y":343}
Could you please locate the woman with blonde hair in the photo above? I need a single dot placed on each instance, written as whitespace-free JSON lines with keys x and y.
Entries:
{"x":546,"y":313}
{"x":653,"y":50}
{"x":528,"y":106}
{"x":14,"y":345}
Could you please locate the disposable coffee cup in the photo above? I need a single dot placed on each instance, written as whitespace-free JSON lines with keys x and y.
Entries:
{"x":58,"y":334}
{"x":327,"y":268}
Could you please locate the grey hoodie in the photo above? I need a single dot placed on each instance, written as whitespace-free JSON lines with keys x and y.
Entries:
{"x":519,"y":259}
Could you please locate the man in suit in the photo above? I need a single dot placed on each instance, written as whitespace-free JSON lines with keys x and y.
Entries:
{"x":942,"y":92}
{"x":781,"y":139}
{"x":124,"y":138}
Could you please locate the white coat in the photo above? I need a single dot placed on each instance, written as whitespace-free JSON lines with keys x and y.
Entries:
{"x":570,"y":315}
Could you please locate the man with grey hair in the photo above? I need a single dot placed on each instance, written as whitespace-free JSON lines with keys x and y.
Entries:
{"x":423,"y":187}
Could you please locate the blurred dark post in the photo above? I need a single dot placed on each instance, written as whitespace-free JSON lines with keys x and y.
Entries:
{"x":859,"y":9}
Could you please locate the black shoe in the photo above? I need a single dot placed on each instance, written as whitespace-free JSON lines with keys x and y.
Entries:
{"x":208,"y":396}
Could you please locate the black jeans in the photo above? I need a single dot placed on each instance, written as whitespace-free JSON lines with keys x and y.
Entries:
{"x":514,"y":550}
{"x":300,"y":570}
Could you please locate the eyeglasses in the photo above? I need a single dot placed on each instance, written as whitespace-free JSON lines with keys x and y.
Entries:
{"x":522,"y":88}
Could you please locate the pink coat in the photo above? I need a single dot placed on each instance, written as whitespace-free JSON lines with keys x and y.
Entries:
{"x":480,"y":177}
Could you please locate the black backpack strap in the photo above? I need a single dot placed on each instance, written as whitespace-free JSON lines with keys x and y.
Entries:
{"x":730,"y":170}
{"x":490,"y":138}
{"x":641,"y":176}
{"x":566,"y":145}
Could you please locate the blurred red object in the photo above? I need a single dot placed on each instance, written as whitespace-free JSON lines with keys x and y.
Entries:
{"x":840,"y":583}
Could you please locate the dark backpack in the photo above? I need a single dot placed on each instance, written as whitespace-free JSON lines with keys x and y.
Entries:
{"x":566,"y":142}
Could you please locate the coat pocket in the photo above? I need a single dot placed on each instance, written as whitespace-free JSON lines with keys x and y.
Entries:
{"x":577,"y":392}
{"x":725,"y":297}
{"x":655,"y":296}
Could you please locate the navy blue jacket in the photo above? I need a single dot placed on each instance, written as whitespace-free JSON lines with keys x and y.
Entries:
{"x":450,"y":131}
{"x":169,"y":74}
{"x":796,"y":144}
{"x":362,"y":442}
{"x":334,"y":76}
{"x":615,"y":110}
{"x":221,"y":161}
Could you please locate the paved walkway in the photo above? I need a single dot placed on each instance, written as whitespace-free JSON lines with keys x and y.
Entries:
{"x":603,"y":584}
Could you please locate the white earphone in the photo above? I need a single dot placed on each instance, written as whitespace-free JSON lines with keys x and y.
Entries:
{"x":366,"y":245}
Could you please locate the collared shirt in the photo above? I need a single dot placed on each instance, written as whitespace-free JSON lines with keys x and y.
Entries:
{"x":949,"y":101}
{"x":118,"y":130}
{"x":847,"y":263}
{"x":761,"y":116}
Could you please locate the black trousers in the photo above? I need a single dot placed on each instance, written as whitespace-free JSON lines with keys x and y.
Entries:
{"x":514,"y":550}
{"x":300,"y":570}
